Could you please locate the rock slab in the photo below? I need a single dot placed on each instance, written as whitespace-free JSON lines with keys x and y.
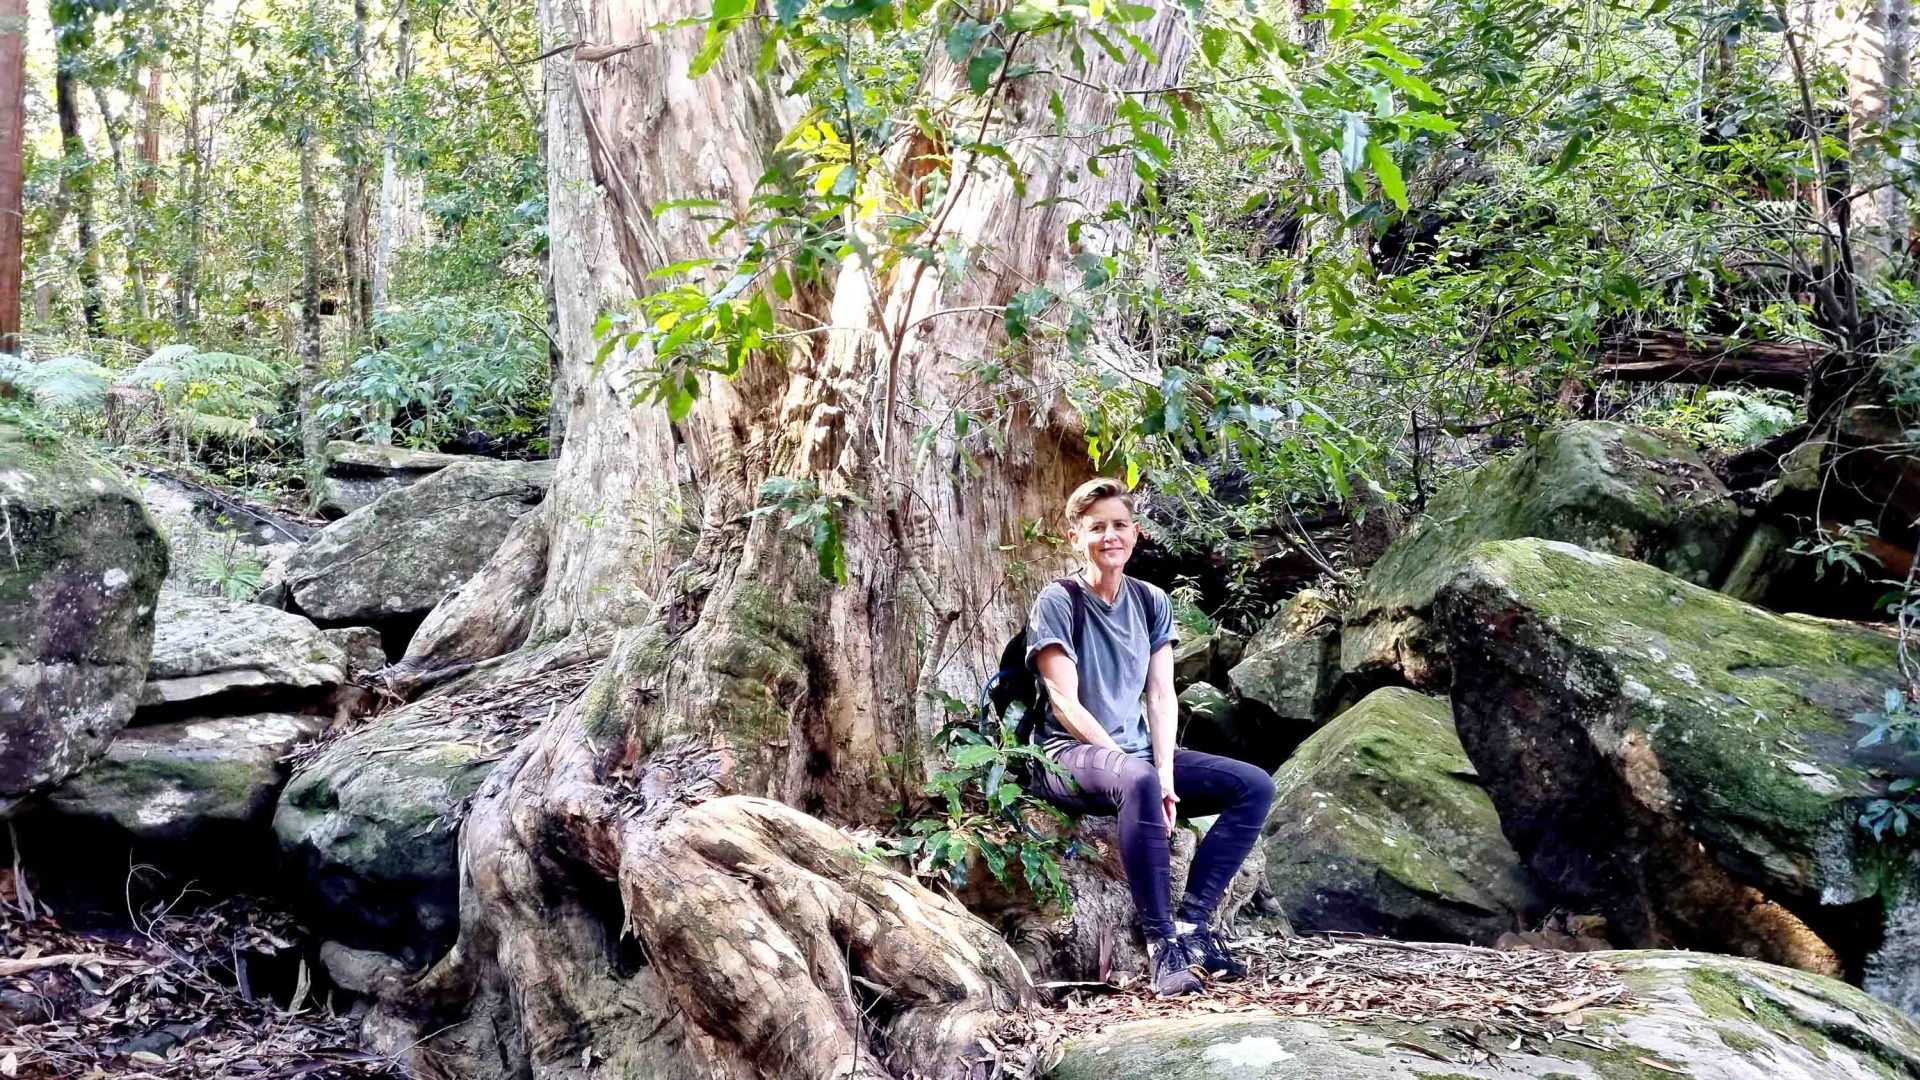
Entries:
{"x":359,"y":473}
{"x":81,"y":564}
{"x":205,"y":647}
{"x":1690,"y":1015}
{"x":1380,"y":826}
{"x":183,"y":781}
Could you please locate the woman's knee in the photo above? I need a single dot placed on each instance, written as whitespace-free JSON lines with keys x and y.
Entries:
{"x":1256,"y":788}
{"x":1139,"y":782}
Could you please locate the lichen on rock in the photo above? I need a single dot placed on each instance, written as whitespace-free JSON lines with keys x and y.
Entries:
{"x":80,"y":566}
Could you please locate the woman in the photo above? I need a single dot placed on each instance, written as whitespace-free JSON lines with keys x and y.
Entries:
{"x":1120,"y":759}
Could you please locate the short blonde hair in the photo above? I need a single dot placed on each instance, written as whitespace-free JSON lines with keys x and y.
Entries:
{"x":1100,"y":487}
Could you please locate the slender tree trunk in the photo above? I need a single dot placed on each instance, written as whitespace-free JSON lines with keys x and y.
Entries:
{"x":148,"y":189}
{"x":665,"y":805}
{"x":356,"y":251}
{"x":76,"y":183}
{"x":126,"y":188}
{"x":13,"y":130}
{"x":186,"y":287}
{"x":312,"y":439}
{"x":393,"y":184}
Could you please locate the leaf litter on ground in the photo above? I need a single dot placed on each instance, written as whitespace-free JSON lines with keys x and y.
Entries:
{"x":1484,"y":1002}
{"x":170,"y":1000}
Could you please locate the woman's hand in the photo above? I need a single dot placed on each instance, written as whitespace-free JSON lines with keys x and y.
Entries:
{"x":1168,"y":800}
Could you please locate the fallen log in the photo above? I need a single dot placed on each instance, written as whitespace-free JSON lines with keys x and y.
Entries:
{"x":1673,"y":356}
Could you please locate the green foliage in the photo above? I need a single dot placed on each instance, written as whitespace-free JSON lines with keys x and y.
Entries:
{"x":208,"y":393}
{"x":1731,"y":419}
{"x":1896,"y":724}
{"x":981,"y":811}
{"x":443,"y":367}
{"x":61,"y":383}
{"x":818,"y":515}
{"x":189,"y":393}
{"x":231,"y":572}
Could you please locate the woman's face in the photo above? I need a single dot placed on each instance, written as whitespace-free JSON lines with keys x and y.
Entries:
{"x":1104,"y":536}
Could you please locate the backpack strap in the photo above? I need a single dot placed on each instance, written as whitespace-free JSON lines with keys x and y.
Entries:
{"x":1077,"y":595}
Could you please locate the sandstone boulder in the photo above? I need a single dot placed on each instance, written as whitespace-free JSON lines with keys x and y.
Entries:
{"x":394,"y":559}
{"x":1284,"y":683}
{"x":210,"y":781}
{"x":80,"y":567}
{"x":1683,"y":763}
{"x":205,"y":647}
{"x":359,"y":473}
{"x":1380,"y":826}
{"x":371,"y":822}
{"x":1610,"y":487}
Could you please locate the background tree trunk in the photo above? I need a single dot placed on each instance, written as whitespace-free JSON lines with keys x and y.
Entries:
{"x":355,"y":248}
{"x":312,"y":437}
{"x":193,"y":173}
{"x":13,"y":133}
{"x":76,"y":189}
{"x":761,"y":943}
{"x":393,"y":218}
{"x":1877,"y":52}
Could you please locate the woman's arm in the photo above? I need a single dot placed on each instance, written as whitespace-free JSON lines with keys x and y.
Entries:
{"x":1163,"y":723}
{"x":1062,"y":680}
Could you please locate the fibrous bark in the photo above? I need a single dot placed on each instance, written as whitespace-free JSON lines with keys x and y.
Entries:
{"x":13,"y":132}
{"x":641,"y":891}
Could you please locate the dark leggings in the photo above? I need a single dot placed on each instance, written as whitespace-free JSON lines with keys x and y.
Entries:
{"x":1110,"y":782}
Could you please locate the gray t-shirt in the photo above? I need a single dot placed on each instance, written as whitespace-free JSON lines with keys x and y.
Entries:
{"x":1115,"y":645}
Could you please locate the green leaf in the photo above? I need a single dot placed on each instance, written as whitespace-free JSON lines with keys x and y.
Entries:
{"x":1029,"y":14}
{"x":960,"y":39}
{"x":1023,"y":308}
{"x":828,"y":550}
{"x":980,"y":69}
{"x":852,"y":9}
{"x":1389,"y":174}
{"x":788,"y":10}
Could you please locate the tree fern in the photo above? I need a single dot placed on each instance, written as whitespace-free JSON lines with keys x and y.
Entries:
{"x":63,"y":382}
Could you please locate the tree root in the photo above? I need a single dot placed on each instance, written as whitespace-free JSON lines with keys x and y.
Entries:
{"x":639,"y":926}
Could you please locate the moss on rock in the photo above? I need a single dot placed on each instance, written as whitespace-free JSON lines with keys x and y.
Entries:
{"x":1675,"y":757}
{"x":1380,"y":826}
{"x":1634,"y":492}
{"x":84,"y":564}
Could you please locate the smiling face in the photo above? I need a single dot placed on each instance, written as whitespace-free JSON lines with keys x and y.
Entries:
{"x":1104,"y":535}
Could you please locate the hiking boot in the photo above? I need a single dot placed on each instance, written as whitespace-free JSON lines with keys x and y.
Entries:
{"x":1169,"y":969}
{"x":1207,"y":950}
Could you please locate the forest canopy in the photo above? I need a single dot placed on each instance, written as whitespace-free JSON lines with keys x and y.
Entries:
{"x":1365,"y":231}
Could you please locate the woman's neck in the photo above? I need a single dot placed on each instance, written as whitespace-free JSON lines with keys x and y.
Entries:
{"x":1104,"y":583}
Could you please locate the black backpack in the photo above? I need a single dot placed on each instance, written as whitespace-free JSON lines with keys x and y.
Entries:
{"x":1014,"y":693}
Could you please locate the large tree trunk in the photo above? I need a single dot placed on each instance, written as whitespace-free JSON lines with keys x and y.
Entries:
{"x":636,"y":900}
{"x":13,"y":133}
